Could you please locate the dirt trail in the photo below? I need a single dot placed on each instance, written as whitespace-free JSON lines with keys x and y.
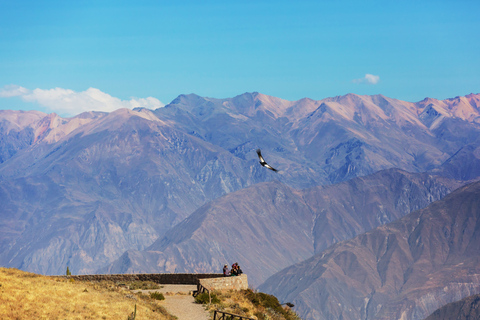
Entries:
{"x":180,"y":302}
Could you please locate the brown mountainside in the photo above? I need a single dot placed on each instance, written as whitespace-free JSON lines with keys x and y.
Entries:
{"x":465,"y":309}
{"x":403,"y":270}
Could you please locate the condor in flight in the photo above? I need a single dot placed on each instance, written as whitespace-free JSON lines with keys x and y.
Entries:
{"x":263,"y":162}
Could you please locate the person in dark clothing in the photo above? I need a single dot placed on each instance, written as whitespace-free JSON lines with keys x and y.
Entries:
{"x":239,"y":270}
{"x":236,"y":271}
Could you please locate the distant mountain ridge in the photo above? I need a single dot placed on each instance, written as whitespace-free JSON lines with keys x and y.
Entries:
{"x":353,"y":135}
{"x":82,"y":191}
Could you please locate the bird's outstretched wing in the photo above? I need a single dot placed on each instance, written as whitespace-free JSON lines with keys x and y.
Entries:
{"x":270,"y":167}
{"x":263,"y":162}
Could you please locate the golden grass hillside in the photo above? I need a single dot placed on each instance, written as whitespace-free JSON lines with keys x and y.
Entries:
{"x":26,"y":295}
{"x":247,"y":303}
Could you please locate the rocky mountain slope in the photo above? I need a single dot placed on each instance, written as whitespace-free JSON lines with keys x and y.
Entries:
{"x":113,"y":184}
{"x":463,"y":165}
{"x":403,"y":270}
{"x":465,"y":309}
{"x":269,"y":226}
{"x":83,"y":190}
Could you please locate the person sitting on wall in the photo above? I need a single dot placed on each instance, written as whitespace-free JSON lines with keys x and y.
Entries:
{"x":226,"y":272}
{"x":239,"y":270}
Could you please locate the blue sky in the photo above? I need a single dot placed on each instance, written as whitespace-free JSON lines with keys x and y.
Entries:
{"x":71,"y":56}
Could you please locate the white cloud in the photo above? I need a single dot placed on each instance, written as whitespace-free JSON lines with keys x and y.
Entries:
{"x":12,"y":91}
{"x":69,"y":102}
{"x":369,"y":78}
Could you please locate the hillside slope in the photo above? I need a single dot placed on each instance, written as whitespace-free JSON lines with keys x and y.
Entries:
{"x":465,"y":309}
{"x":403,"y":270}
{"x":26,"y":295}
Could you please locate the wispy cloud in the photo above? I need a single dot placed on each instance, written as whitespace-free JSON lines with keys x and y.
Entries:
{"x":66,"y":101}
{"x":12,"y":91}
{"x":369,"y":78}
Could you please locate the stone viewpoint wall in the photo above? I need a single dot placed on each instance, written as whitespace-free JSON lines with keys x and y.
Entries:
{"x":225,"y":283}
{"x":210,"y":281}
{"x":160,"y":278}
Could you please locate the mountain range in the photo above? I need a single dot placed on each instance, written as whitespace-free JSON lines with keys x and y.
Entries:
{"x":180,"y":189}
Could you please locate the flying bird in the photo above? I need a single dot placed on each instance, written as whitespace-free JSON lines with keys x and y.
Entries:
{"x":263,"y":162}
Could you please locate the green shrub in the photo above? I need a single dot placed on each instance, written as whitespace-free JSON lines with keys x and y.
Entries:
{"x":157,"y":295}
{"x":269,"y":302}
{"x":203,"y":298}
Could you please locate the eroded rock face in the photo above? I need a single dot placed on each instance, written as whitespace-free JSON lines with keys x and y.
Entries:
{"x":403,"y":270}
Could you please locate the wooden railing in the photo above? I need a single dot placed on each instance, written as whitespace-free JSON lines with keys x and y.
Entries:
{"x":200,"y":289}
{"x":221,"y":315}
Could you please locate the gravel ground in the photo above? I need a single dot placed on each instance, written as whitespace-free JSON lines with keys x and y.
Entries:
{"x":180,"y":302}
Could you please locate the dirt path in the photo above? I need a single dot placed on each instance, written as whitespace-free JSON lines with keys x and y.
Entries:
{"x":180,"y":302}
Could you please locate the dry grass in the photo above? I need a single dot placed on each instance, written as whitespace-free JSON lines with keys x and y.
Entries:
{"x":251,"y":304}
{"x":26,"y":295}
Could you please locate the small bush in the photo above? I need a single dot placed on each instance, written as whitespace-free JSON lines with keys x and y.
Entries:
{"x":157,"y":295}
{"x":260,"y":316}
{"x":203,"y":298}
{"x":268,"y":302}
{"x":249,"y":303}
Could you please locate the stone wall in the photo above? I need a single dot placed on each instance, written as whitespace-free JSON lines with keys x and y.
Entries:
{"x":225,"y":283}
{"x":160,"y":278}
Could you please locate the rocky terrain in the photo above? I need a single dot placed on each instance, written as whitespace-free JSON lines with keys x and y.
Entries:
{"x":465,"y":309}
{"x":403,"y":270}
